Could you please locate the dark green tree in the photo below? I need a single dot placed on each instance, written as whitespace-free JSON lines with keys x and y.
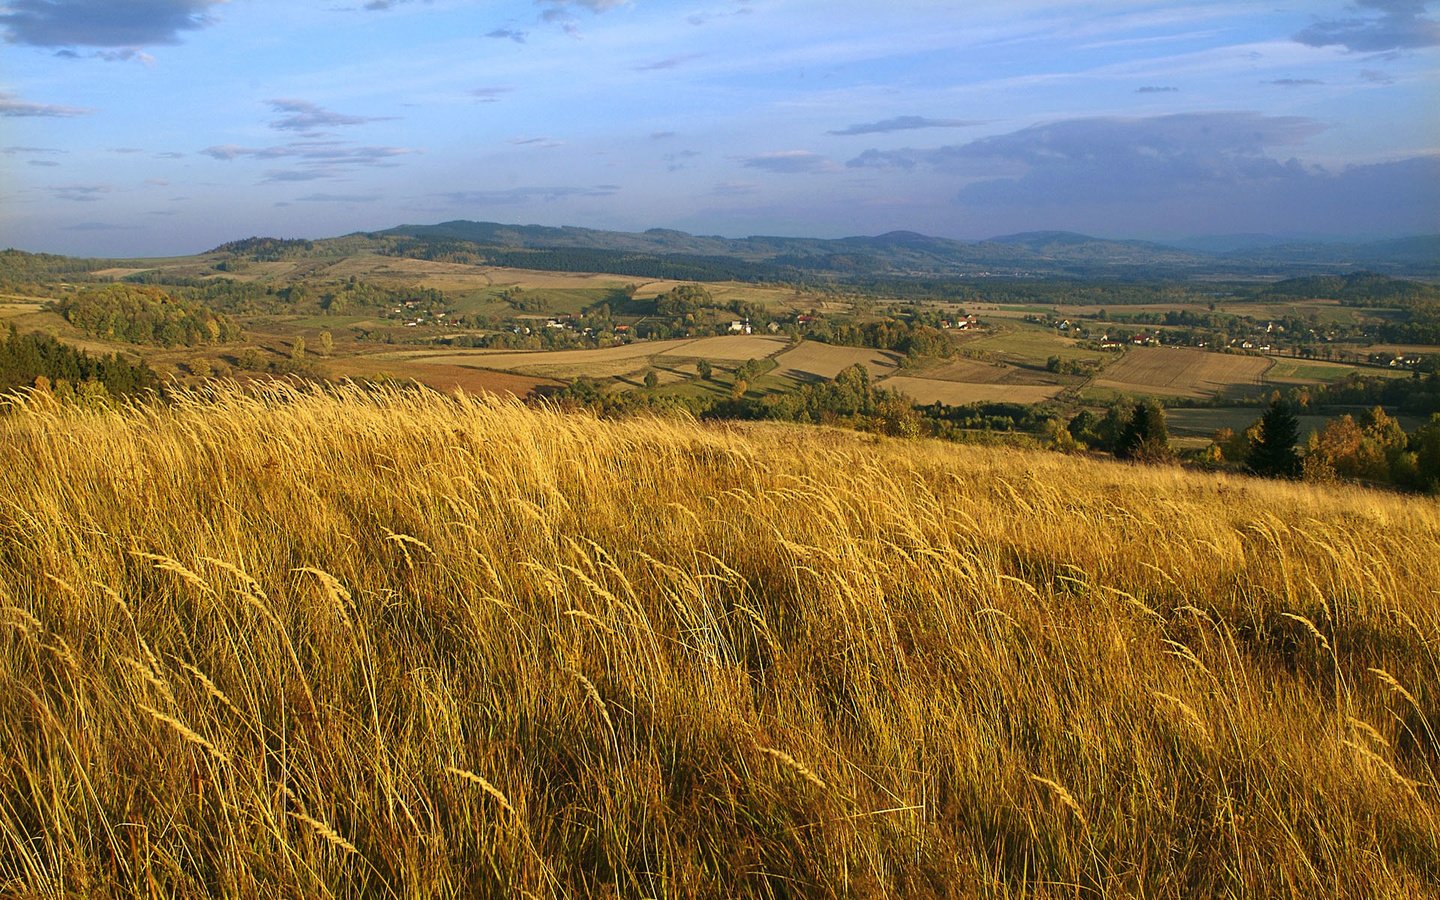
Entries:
{"x":1425,"y":444}
{"x":1083,"y":427}
{"x":1145,"y":437}
{"x":1272,"y":448}
{"x":704,"y":369}
{"x":651,"y":379}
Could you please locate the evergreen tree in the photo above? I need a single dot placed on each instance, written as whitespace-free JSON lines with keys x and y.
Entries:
{"x":1145,"y":437}
{"x":1272,"y":449}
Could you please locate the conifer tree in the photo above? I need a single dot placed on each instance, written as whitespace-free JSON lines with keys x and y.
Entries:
{"x":1145,"y":437}
{"x":1272,"y":449}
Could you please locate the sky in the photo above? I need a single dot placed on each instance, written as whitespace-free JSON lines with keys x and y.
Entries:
{"x":166,"y":127}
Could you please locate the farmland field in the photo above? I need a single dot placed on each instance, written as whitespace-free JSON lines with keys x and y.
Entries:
{"x":1025,"y":343}
{"x":604,"y":363}
{"x":1177,"y":372}
{"x":730,"y":349}
{"x":978,"y":372}
{"x":441,"y":377}
{"x":959,"y":393}
{"x":610,"y":362}
{"x":11,"y":306}
{"x":813,"y":360}
{"x":1309,"y":371}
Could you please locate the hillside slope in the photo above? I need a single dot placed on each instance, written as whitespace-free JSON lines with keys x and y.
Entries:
{"x":307,"y":643}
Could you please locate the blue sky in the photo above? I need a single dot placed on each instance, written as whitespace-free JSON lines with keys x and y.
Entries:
{"x":156,"y":127}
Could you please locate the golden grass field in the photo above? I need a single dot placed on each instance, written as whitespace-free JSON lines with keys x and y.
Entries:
{"x":1181,"y":372}
{"x":319,"y":642}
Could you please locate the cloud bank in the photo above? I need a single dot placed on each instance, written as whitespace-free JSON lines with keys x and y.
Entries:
{"x":10,"y":105}
{"x":1196,"y":171}
{"x":102,"y":23}
{"x":789,"y":162}
{"x":303,"y":116}
{"x":904,"y":123}
{"x":1399,"y":25}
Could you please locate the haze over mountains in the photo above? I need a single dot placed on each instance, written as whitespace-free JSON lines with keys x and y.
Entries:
{"x":905,"y":254}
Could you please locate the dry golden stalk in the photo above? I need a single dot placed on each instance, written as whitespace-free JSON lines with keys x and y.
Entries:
{"x":485,"y":786}
{"x":209,"y":685}
{"x":1379,"y":761}
{"x":339,"y":596}
{"x":239,"y":573}
{"x":1395,"y":685}
{"x":592,"y":619}
{"x":184,"y":731}
{"x":27,"y":622}
{"x":1368,"y":730}
{"x":594,"y":695}
{"x":793,"y":765}
{"x":166,"y":564}
{"x":325,"y":831}
{"x":1064,"y":796}
{"x":1191,"y":716}
{"x":1311,"y":627}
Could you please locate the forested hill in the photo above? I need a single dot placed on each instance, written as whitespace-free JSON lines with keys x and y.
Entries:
{"x":900,"y":254}
{"x":893,"y":260}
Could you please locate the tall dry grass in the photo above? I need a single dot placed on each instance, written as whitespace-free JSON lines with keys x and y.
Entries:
{"x":305,"y":643}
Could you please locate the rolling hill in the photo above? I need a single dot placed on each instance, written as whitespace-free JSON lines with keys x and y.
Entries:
{"x":903,"y":254}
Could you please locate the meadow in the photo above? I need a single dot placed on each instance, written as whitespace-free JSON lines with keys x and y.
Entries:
{"x":288,"y":641}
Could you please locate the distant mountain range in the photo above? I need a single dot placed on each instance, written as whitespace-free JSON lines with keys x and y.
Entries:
{"x":904,"y":254}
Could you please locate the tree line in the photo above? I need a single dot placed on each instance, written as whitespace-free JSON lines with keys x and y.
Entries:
{"x":29,"y":360}
{"x":142,"y":314}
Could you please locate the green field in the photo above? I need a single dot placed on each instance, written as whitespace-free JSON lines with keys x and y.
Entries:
{"x":1027,"y":344}
{"x":1302,"y":371}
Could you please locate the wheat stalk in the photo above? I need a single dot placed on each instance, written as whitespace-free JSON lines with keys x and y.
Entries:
{"x":234,"y":570}
{"x":184,"y":731}
{"x":1380,"y":761}
{"x":1368,"y":730}
{"x":592,"y":619}
{"x":27,"y":622}
{"x":1311,"y":627}
{"x":594,"y":695}
{"x":485,"y":786}
{"x":1188,"y":711}
{"x":166,"y":564}
{"x":339,"y":596}
{"x":210,"y":687}
{"x":1065,"y":797}
{"x":325,"y":831}
{"x":793,"y":765}
{"x":1395,"y":685}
